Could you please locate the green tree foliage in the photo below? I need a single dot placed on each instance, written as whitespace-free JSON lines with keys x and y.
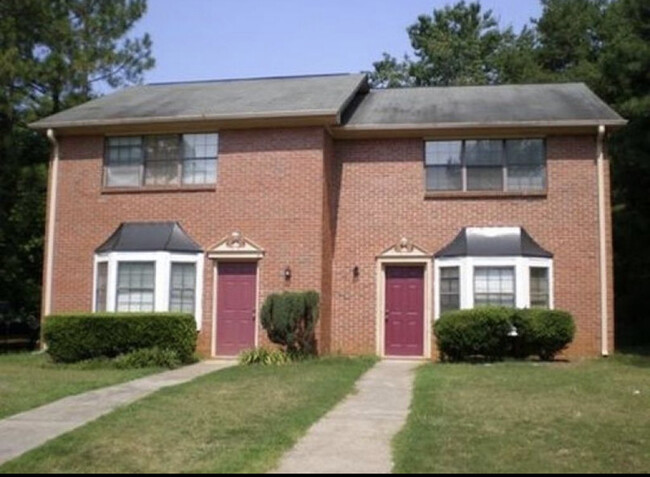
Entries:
{"x":54,"y":54}
{"x":604,"y":43}
{"x":458,"y":45}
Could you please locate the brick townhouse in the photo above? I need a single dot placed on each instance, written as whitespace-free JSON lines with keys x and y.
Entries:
{"x":395,"y":205}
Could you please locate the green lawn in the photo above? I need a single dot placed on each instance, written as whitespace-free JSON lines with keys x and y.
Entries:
{"x":240,"y":419}
{"x":30,"y":380}
{"x":588,"y":416}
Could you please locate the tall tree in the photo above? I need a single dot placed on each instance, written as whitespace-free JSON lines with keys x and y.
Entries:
{"x":457,"y":45}
{"x":54,"y":54}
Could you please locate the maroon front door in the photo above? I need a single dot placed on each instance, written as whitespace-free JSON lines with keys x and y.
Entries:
{"x":236,"y":284}
{"x":404,"y":313}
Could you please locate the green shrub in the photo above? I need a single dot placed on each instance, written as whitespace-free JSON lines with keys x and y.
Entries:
{"x":148,"y":358}
{"x":290,"y":318}
{"x":543,"y":332}
{"x":265,"y":357}
{"x":479,"y":332}
{"x":78,"y":337}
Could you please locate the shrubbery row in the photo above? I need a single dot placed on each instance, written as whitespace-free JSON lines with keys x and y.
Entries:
{"x":77,"y":337}
{"x":493,"y":333}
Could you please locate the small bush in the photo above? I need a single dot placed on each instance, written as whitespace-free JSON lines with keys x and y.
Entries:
{"x":265,"y":357}
{"x":479,"y":332}
{"x":543,"y":332}
{"x":77,"y":337}
{"x":148,"y":358}
{"x":290,"y":318}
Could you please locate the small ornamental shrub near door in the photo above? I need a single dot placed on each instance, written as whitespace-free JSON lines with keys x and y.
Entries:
{"x":479,"y":332}
{"x":77,"y":337}
{"x":492,"y":333}
{"x":290,"y":319}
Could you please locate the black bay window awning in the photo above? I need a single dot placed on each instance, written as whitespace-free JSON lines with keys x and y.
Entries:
{"x":493,"y":242}
{"x":149,"y":237}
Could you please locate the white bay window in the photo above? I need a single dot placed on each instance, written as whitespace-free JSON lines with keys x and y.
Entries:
{"x":498,"y":266}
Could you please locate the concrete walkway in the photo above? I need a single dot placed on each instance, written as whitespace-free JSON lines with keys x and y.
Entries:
{"x":355,"y":436}
{"x":25,"y":431}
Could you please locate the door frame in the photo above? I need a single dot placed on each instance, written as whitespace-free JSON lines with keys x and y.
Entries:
{"x":414,"y":257}
{"x":234,"y":248}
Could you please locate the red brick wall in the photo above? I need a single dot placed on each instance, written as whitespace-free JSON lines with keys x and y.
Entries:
{"x":269,"y":187}
{"x":381,"y":198}
{"x":322,"y":207}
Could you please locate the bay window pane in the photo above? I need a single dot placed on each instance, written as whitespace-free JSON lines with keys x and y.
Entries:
{"x":101,"y":282}
{"x":494,"y":286}
{"x":182,"y":287}
{"x":135,"y":286}
{"x":539,"y":287}
{"x":449,"y":288}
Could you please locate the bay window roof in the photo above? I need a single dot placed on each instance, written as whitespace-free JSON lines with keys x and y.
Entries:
{"x":149,"y":237}
{"x":493,"y":242}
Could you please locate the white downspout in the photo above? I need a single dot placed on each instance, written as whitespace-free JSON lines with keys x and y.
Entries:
{"x":602,"y":238}
{"x":51,"y":215}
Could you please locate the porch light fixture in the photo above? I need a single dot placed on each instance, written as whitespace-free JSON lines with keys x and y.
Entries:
{"x":287,"y":273}
{"x":355,"y":271}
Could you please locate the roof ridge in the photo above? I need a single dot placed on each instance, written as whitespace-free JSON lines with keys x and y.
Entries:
{"x":253,"y":78}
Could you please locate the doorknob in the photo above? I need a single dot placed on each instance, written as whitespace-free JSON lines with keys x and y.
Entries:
{"x":386,"y":313}
{"x":253,"y":315}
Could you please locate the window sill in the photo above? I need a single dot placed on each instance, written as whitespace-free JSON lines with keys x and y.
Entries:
{"x":159,"y":189}
{"x":484,"y":194}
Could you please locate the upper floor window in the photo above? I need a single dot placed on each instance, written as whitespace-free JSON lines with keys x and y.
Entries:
{"x":161,"y":160}
{"x":486,"y":165}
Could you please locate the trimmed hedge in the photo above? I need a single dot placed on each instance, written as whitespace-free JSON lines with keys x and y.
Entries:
{"x":483,"y":332}
{"x":487,"y":333}
{"x":290,"y":319}
{"x":77,"y":337}
{"x":543,"y":332}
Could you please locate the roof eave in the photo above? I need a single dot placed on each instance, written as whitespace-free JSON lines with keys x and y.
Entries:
{"x":418,"y":129}
{"x":325,"y":117}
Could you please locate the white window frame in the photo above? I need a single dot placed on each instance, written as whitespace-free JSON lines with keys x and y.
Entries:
{"x":466,"y":286}
{"x":163,"y":261}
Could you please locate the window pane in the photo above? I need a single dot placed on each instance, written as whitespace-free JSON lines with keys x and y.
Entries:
{"x":199,"y":171}
{"x":162,"y":160}
{"x":486,"y":152}
{"x":182,"y":287}
{"x":135,"y":286}
{"x":484,"y":178}
{"x":100,"y":286}
{"x":123,"y":161}
{"x":444,"y":178}
{"x":494,"y":286}
{"x":200,"y":158}
{"x":449,"y":289}
{"x":528,"y":152}
{"x":526,"y":177}
{"x":539,"y":287}
{"x":442,"y":153}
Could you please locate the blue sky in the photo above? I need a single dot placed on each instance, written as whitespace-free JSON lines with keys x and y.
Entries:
{"x":214,"y":39}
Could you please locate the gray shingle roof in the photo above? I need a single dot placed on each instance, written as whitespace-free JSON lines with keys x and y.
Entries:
{"x":225,"y":99}
{"x":481,"y":105}
{"x":493,"y":242}
{"x":149,"y":237}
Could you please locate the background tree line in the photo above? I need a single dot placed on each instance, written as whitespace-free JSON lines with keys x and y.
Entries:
{"x":605,"y":44}
{"x":55,"y":54}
